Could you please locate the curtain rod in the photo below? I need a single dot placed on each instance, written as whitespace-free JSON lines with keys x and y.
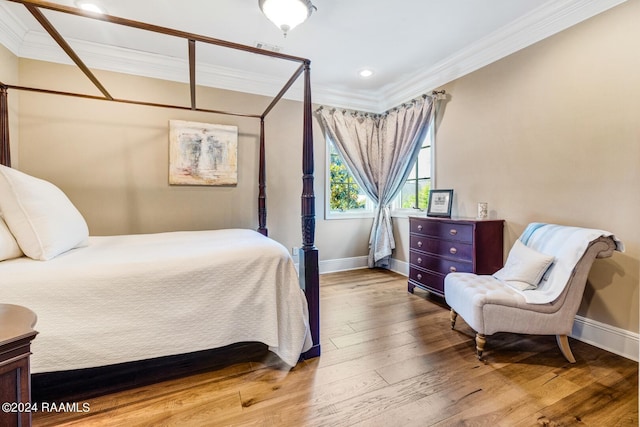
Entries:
{"x":436,"y":93}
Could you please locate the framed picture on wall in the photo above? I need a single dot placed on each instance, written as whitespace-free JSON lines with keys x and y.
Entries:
{"x":440,"y":202}
{"x":202,"y":153}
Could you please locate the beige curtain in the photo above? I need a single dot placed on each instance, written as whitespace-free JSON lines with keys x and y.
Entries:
{"x":380,"y":151}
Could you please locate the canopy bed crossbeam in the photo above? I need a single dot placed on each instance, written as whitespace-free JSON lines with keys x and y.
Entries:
{"x":309,"y":272}
{"x":285,"y":88}
{"x":129,"y":101}
{"x":67,"y":49}
{"x":157,"y":29}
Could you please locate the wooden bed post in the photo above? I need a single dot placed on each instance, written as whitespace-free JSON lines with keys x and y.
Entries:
{"x":262,"y":186}
{"x":5,"y":146}
{"x":309,"y":271}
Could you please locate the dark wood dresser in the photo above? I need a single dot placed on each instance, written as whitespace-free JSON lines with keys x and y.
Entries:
{"x":16,"y":334}
{"x":439,"y":246}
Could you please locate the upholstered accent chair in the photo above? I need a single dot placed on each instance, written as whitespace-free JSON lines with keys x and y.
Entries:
{"x":539,"y":289}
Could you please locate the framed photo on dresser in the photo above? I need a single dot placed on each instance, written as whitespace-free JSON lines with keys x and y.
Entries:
{"x":440,"y":202}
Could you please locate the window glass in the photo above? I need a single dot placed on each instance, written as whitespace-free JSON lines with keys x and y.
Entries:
{"x":415,"y":191}
{"x":345,"y":198}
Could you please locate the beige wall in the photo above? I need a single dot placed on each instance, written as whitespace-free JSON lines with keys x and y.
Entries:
{"x":112,"y":159}
{"x":552,"y":134}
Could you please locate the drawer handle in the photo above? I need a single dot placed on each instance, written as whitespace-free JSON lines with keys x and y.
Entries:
{"x":453,"y":269}
{"x":419,"y":227}
{"x":419,"y":243}
{"x":419,"y":260}
{"x":419,"y":276}
{"x":453,"y":251}
{"x":453,"y":231}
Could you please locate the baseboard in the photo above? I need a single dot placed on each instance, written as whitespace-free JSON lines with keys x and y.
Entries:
{"x":606,"y":337}
{"x":400,"y":267}
{"x":619,"y":341}
{"x":355,"y":263}
{"x":342,"y":264}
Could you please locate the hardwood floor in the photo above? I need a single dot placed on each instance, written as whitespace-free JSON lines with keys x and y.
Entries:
{"x":389,"y":358}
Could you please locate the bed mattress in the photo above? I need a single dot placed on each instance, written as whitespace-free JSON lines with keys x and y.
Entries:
{"x":135,"y":297}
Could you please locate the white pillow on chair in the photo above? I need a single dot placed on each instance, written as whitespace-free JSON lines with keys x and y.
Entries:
{"x":42,"y":219}
{"x":524,"y":268}
{"x":9,"y":248}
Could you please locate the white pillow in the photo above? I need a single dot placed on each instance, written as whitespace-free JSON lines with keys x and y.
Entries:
{"x":40,"y":216}
{"x":524,"y":267}
{"x":9,"y":248}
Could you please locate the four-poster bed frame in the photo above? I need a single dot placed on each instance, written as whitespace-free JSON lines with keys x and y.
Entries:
{"x":309,"y":280}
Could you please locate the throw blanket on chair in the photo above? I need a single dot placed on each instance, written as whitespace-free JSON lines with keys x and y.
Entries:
{"x":567,"y":245}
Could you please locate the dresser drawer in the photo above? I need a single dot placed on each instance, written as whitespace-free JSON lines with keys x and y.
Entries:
{"x":429,"y":280}
{"x":440,"y":264}
{"x":439,"y":246}
{"x":450,"y":249}
{"x":442,"y":230}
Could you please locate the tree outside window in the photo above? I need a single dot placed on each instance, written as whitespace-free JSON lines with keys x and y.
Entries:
{"x":345,"y":193}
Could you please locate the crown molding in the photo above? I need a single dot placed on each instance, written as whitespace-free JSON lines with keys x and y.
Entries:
{"x":12,"y":31}
{"x":39,"y":46}
{"x":356,"y":100}
{"x":548,"y":19}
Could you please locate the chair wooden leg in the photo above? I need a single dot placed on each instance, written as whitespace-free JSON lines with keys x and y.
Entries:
{"x":480,"y":342}
{"x":563,"y":343}
{"x":453,"y":316}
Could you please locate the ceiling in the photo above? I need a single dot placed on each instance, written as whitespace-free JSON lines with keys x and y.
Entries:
{"x":412,"y":46}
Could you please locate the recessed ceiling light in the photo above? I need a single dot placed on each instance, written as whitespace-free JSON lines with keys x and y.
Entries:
{"x":366,"y":73}
{"x":89,"y":6}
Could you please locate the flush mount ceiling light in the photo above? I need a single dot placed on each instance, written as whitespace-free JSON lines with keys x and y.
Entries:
{"x":365,"y":72}
{"x":90,"y":6}
{"x":286,"y":14}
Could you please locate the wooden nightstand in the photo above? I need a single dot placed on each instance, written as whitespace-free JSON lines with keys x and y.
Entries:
{"x":16,"y":334}
{"x":439,"y":246}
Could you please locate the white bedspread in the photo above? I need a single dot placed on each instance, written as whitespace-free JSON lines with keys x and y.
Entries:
{"x":134,"y":297}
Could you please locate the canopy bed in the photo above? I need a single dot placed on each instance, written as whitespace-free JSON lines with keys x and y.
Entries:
{"x":66,"y":267}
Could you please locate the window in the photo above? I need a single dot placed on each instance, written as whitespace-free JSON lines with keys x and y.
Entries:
{"x":414,"y":194}
{"x":345,"y":198}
